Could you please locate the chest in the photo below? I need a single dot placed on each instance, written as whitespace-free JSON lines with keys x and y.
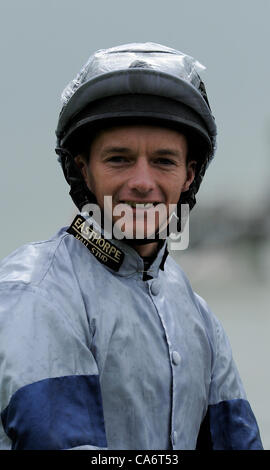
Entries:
{"x":139,"y":328}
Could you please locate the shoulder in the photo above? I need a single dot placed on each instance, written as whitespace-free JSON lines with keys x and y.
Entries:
{"x":39,"y":289}
{"x":29,"y":263}
{"x":176,"y":275}
{"x":41,"y":277}
{"x":39,"y":263}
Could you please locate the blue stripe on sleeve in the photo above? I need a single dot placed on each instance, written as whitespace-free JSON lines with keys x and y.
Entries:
{"x":230,"y":425}
{"x":57,"y":413}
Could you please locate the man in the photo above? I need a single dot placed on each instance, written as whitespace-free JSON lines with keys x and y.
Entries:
{"x":104,"y":345}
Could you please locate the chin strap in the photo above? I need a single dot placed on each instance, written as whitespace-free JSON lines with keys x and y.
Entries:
{"x":79,"y":191}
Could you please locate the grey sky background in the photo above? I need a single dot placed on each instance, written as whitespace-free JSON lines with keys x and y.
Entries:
{"x":44,"y":44}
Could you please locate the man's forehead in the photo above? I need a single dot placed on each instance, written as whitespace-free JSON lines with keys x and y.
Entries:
{"x":129,"y":135}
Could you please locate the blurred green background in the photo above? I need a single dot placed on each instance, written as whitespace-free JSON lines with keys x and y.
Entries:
{"x":44,"y":44}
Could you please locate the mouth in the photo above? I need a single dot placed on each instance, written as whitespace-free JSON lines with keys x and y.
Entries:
{"x":141,"y":205}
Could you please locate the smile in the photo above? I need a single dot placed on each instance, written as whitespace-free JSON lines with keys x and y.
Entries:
{"x":140,"y":205}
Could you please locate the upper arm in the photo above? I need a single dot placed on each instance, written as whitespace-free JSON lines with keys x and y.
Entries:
{"x":229,"y":423}
{"x":50,"y":394}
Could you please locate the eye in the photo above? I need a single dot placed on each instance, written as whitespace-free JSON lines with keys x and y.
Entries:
{"x":165,"y":161}
{"x":117,"y":159}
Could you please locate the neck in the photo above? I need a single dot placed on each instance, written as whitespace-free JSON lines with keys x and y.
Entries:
{"x":149,"y":249}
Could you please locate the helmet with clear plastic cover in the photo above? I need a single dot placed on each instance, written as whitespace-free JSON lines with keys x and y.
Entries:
{"x":140,"y":82}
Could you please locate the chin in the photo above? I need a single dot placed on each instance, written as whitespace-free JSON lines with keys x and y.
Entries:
{"x":137,"y":232}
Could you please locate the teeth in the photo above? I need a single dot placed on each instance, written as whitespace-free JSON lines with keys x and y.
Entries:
{"x":146,"y":205}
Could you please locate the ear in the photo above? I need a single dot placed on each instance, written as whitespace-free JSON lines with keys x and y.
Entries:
{"x":82,"y":165}
{"x":191,"y":168}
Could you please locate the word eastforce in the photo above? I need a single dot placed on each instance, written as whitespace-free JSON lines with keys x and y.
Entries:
{"x":178,"y":240}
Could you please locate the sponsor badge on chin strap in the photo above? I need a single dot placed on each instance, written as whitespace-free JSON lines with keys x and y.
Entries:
{"x":104,"y":251}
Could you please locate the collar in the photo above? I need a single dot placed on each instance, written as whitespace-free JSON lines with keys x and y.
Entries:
{"x":115,"y":255}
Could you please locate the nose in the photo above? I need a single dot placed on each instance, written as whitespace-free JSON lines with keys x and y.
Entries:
{"x":141,"y":179}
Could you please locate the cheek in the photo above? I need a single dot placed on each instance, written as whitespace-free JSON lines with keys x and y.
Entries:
{"x":175,"y":192}
{"x":178,"y":185}
{"x":101,"y":185}
{"x":91,"y":182}
{"x":94,"y":177}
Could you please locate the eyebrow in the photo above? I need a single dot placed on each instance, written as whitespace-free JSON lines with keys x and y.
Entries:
{"x":159,"y":152}
{"x":108,"y":150}
{"x":165,"y":151}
